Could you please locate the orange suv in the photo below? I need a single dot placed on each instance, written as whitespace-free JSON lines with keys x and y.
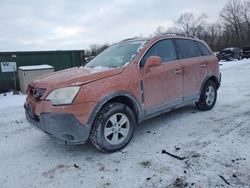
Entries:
{"x":131,"y":81}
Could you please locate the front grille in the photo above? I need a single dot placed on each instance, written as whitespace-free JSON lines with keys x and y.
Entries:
{"x":36,"y":118}
{"x":37,"y":93}
{"x":29,"y":112}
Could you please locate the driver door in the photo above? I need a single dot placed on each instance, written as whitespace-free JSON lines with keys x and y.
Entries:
{"x":163,"y":84}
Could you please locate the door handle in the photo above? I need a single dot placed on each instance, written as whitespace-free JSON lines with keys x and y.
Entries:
{"x":203,"y":65}
{"x":178,"y":71}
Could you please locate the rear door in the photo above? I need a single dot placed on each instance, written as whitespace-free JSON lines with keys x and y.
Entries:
{"x":163,"y":84}
{"x":194,"y":68}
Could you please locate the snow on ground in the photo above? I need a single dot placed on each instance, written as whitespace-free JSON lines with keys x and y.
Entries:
{"x":214,"y":146}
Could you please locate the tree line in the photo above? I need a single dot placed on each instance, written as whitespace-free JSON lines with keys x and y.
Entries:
{"x":231,"y":30}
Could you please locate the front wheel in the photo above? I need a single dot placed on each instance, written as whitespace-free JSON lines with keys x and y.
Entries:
{"x":113,"y":127}
{"x":208,"y":97}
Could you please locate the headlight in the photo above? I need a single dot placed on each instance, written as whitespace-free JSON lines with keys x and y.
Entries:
{"x":63,"y":95}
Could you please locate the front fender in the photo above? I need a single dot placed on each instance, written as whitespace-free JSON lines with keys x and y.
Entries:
{"x":114,"y":95}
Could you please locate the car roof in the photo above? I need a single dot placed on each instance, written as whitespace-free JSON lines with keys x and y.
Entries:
{"x":161,"y":36}
{"x":231,"y":48}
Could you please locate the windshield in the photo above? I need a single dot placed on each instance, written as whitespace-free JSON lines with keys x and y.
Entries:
{"x":117,"y":55}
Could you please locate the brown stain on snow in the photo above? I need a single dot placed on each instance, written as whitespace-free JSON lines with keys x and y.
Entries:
{"x":51,"y":173}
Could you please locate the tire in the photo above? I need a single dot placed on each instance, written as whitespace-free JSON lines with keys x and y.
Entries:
{"x":113,"y":127}
{"x":208,"y":96}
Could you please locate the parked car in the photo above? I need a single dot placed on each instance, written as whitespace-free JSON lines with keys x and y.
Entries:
{"x":230,"y":54}
{"x":246,"y":52}
{"x":129,"y":82}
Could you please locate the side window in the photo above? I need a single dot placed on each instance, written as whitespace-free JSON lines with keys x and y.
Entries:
{"x":187,"y":48}
{"x":203,"y":48}
{"x":164,"y":49}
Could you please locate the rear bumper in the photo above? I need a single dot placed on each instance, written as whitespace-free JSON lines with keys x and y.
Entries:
{"x":62,"y":126}
{"x":246,"y":55}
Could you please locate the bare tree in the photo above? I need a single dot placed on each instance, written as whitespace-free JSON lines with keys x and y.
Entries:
{"x":190,"y":24}
{"x":175,"y":29}
{"x":232,"y":30}
{"x":232,"y":18}
{"x":95,"y":49}
{"x":246,"y":20}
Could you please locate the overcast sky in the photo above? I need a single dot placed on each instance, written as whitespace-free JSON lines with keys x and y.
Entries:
{"x":75,"y":24}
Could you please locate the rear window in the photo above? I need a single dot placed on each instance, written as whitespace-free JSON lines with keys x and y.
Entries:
{"x":187,"y":48}
{"x":203,"y":49}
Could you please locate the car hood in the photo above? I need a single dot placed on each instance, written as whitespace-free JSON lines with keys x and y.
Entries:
{"x":74,"y":77}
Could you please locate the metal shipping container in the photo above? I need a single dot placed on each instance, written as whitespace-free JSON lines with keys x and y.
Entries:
{"x":58,"y":59}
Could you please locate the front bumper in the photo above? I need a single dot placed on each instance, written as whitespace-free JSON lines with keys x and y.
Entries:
{"x":62,"y":126}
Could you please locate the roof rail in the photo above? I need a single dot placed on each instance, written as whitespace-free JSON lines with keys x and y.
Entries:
{"x":129,"y":39}
{"x":177,"y":34}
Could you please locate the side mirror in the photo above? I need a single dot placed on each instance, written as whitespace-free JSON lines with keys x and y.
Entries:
{"x":152,"y":61}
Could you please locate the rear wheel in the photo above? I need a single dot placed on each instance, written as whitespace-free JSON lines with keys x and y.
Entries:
{"x":208,"y":96}
{"x":113,"y":127}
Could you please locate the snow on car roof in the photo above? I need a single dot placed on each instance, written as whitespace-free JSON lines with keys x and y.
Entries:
{"x":231,"y":49}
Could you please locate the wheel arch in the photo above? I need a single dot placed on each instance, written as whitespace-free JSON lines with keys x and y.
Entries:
{"x":121,"y":97}
{"x":211,"y":78}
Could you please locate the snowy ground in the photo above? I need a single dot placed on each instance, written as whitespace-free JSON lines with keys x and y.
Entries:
{"x":215,"y":145}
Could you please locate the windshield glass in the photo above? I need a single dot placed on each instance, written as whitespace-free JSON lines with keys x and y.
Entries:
{"x":117,"y":55}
